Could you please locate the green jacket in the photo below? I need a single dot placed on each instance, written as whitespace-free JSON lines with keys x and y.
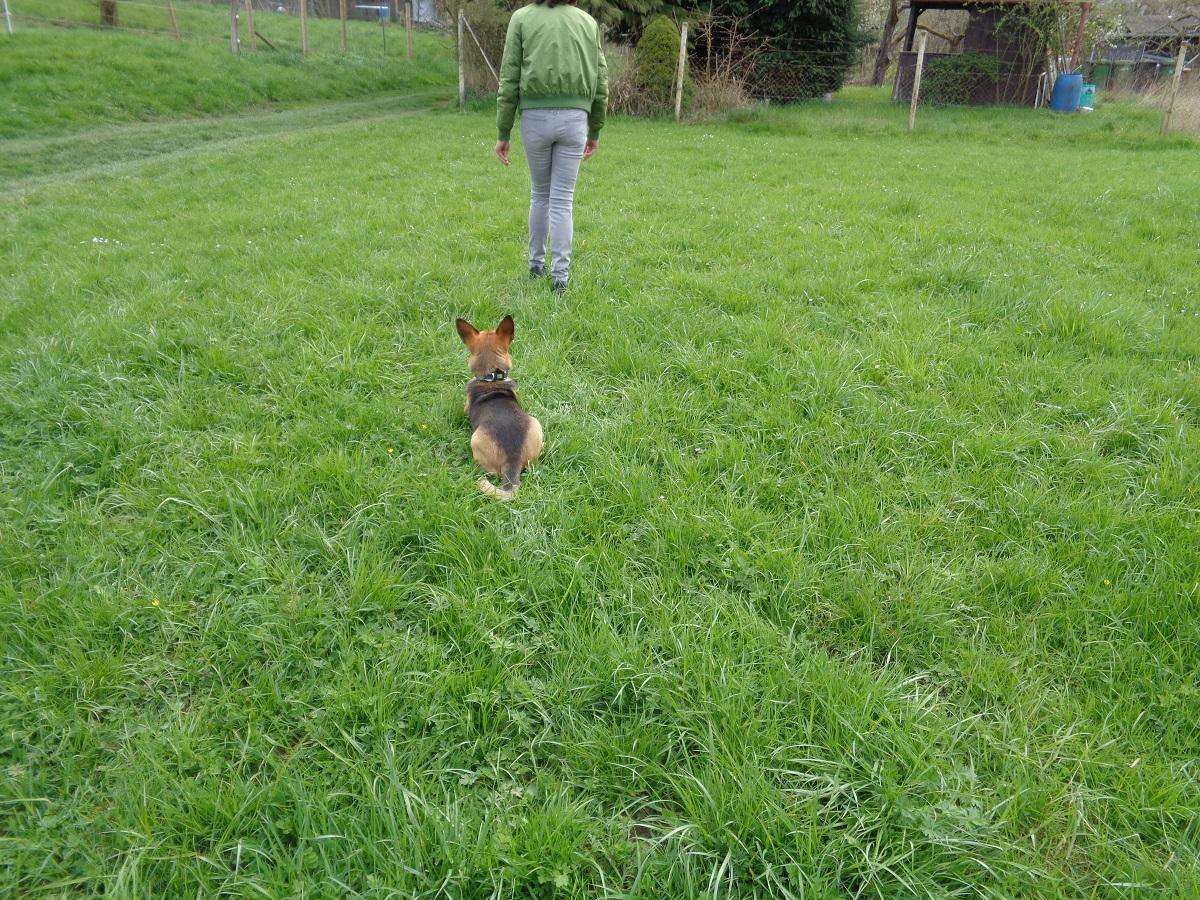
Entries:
{"x":552,"y":58}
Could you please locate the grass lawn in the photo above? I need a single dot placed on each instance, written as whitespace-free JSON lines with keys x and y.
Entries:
{"x":56,"y":80}
{"x":862,"y":559}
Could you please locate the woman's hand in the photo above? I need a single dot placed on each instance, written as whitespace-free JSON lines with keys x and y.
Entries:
{"x":502,"y":151}
{"x":590,"y":147}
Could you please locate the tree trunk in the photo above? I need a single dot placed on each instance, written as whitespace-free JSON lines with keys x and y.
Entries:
{"x":885,"y":42}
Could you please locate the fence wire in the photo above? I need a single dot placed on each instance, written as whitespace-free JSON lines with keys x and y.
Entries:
{"x":792,"y":81}
{"x":21,"y":19}
{"x":197,"y":20}
{"x":1185,"y":112}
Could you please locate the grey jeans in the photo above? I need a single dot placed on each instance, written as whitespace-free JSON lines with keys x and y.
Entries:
{"x":553,"y":140}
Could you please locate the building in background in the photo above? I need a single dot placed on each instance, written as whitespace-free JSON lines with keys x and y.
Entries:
{"x":1144,"y":52}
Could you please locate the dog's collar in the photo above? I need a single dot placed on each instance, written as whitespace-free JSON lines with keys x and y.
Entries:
{"x":498,"y":375}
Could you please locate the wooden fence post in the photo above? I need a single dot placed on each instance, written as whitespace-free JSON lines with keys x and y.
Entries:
{"x":304,"y":27}
{"x":170,"y":12}
{"x":408,"y":26}
{"x":912,"y":109}
{"x":250,"y":25}
{"x":1175,"y":79}
{"x":342,"y":13}
{"x":462,"y":75}
{"x":235,"y":43}
{"x":679,"y":73}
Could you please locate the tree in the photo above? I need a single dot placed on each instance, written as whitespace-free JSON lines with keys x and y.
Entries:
{"x":885,"y":42}
{"x":626,"y":17}
{"x":816,"y":40}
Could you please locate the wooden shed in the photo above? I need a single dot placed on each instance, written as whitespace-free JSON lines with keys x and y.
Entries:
{"x":992,"y":31}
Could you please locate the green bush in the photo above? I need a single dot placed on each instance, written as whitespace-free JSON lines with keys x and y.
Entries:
{"x":954,"y":79}
{"x":656,"y":59}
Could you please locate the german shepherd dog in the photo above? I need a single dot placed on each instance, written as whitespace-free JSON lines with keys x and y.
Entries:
{"x":504,"y":438}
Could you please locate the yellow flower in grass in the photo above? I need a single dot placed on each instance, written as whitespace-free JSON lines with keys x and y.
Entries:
{"x":391,"y":449}
{"x":155,"y":603}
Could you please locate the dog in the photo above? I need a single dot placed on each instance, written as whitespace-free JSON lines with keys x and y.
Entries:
{"x":504,"y":438}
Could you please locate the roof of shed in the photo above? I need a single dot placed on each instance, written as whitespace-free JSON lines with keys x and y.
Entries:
{"x":1168,"y":25}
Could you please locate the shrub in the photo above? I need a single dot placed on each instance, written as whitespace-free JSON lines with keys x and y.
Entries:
{"x":954,"y":79}
{"x":655,"y":61}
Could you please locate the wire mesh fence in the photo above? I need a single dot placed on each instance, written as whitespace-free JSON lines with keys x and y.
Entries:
{"x":1182,"y":114}
{"x":726,"y":51}
{"x":150,"y":17}
{"x":480,"y":29}
{"x":793,"y":80}
{"x":718,"y":83}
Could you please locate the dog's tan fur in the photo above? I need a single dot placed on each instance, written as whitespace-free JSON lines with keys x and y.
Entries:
{"x":504,"y":438}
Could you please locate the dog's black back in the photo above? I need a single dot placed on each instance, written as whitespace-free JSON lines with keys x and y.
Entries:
{"x":493,"y":406}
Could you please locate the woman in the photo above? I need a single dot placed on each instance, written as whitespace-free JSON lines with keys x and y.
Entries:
{"x":554,"y":72}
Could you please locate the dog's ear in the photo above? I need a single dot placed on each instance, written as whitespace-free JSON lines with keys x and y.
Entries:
{"x":466,"y":331}
{"x":505,"y":329}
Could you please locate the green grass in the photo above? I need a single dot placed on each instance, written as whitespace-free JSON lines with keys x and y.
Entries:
{"x":862,"y":559}
{"x":56,"y":80}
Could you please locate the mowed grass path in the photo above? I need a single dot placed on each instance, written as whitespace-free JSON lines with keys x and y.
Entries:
{"x":862,"y":559}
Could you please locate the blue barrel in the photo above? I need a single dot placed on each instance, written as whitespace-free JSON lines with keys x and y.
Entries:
{"x":1065,"y":96}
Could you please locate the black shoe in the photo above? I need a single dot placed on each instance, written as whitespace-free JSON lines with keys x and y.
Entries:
{"x":536,"y":272}
{"x":560,"y":285}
